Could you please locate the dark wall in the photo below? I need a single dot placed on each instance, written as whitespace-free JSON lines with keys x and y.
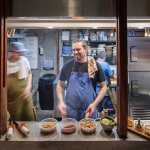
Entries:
{"x":76,"y":8}
{"x":138,"y":8}
{"x":63,"y":8}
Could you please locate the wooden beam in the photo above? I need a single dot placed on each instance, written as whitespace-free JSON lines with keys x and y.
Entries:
{"x":57,"y":53}
{"x":3,"y":61}
{"x":122,"y":76}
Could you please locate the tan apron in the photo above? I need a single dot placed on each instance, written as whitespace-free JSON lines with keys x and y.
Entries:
{"x":19,"y":109}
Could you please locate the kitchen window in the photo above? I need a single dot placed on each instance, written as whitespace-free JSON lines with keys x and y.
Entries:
{"x":122,"y":96}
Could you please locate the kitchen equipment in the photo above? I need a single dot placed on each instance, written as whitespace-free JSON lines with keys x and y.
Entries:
{"x":88,"y":125}
{"x":48,"y":125}
{"x":68,"y":125}
{"x":138,"y":77}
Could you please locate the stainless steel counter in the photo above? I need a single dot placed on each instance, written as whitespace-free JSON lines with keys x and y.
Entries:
{"x":99,"y":135}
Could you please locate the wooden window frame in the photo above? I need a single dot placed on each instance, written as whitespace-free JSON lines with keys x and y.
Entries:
{"x":122,"y":99}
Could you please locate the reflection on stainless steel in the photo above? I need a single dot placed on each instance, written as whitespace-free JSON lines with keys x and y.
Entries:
{"x":64,"y":8}
{"x":139,"y":77}
{"x":138,"y":54}
{"x":74,"y":7}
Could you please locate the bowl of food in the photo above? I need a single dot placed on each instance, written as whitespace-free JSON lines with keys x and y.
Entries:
{"x":88,"y":125}
{"x":48,"y":125}
{"x":107,"y":123}
{"x":68,"y":125}
{"x":147,"y":129}
{"x":130,"y":122}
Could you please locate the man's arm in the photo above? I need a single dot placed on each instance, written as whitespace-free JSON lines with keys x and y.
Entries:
{"x":60,"y":95}
{"x":98,"y":99}
{"x":101,"y":93}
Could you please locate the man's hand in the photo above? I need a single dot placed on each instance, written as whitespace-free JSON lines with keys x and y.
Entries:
{"x":26,"y":93}
{"x":90,"y":110}
{"x":62,"y":109}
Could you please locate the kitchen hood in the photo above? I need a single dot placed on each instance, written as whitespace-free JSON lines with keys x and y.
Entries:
{"x":65,"y":22}
{"x":74,"y":22}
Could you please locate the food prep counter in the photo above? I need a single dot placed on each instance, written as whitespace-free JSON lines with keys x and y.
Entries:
{"x":99,"y":135}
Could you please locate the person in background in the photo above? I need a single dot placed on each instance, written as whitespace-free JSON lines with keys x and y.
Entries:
{"x":81,"y":74}
{"x":19,"y":82}
{"x":106,"y":103}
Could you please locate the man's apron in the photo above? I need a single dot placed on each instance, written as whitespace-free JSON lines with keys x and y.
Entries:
{"x":19,"y":109}
{"x":79,"y":95}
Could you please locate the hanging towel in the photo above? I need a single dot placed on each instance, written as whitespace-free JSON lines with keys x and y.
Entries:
{"x":92,"y":67}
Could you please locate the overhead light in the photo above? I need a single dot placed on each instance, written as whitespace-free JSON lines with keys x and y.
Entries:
{"x":140,"y":27}
{"x":95,"y":27}
{"x":50,"y":27}
{"x":146,"y":33}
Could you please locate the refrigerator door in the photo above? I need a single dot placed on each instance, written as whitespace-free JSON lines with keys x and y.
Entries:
{"x":139,"y":95}
{"x":138,"y":54}
{"x":139,"y":77}
{"x":139,"y":85}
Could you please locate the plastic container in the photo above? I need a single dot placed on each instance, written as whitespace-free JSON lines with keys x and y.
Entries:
{"x":88,"y":125}
{"x":68,"y":125}
{"x":48,"y":125}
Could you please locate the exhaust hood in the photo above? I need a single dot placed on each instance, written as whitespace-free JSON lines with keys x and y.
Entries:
{"x":74,"y":22}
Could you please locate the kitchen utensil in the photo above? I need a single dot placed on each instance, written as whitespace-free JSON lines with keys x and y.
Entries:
{"x":87,"y":115}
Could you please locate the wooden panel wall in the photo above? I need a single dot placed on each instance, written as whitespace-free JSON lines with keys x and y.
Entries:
{"x":121,"y":11}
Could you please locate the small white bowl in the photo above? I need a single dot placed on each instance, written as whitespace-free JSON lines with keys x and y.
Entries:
{"x":68,"y":125}
{"x":48,"y":125}
{"x":85,"y":127}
